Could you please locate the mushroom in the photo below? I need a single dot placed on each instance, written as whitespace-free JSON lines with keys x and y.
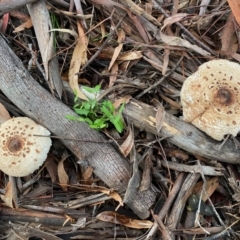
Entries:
{"x":21,"y":153}
{"x":211,"y":98}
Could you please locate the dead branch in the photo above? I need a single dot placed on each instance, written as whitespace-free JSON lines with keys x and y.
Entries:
{"x":181,"y":134}
{"x":18,"y":85}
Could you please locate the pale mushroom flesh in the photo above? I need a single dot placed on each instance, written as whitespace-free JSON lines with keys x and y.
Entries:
{"x":21,"y":152}
{"x":211,"y":98}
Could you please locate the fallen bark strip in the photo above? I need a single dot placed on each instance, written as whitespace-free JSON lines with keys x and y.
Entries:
{"x":37,"y":103}
{"x":181,"y":134}
{"x":8,"y":214}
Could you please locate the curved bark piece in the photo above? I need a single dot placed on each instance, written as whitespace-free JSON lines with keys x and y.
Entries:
{"x":181,"y":134}
{"x":37,"y":103}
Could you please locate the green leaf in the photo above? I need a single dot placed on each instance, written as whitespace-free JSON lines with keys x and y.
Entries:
{"x":92,"y":90}
{"x":100,"y":121}
{"x":70,"y":117}
{"x":77,"y":105}
{"x":93,"y":104}
{"x":119,"y":125}
{"x":84,"y":112}
{"x":121,"y":108}
{"x":110,"y":106}
{"x":106,"y":112}
{"x":86,"y":105}
{"x":80,"y":119}
{"x":87,"y":120}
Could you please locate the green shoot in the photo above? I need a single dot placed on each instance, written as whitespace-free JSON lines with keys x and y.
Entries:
{"x":97,"y":115}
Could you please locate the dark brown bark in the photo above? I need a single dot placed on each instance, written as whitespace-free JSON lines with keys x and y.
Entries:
{"x":17,"y":84}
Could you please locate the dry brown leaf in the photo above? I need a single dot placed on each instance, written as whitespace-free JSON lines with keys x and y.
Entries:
{"x":146,"y":175}
{"x":236,"y":56}
{"x":27,"y":24}
{"x":87,"y":173}
{"x":170,"y":101}
{"x":122,"y":100}
{"x":130,"y":56}
{"x":175,"y":18}
{"x":160,"y":114}
{"x":235,"y":7}
{"x":4,"y":114}
{"x":51,"y":167}
{"x":103,"y":31}
{"x":227,"y":33}
{"x":165,"y":61}
{"x":8,"y":196}
{"x":148,"y":7}
{"x":113,"y":217}
{"x":42,"y":25}
{"x":118,"y":49}
{"x":107,"y":191}
{"x":4,"y":22}
{"x":62,"y":175}
{"x":128,"y":144}
{"x":79,"y":58}
{"x":71,"y":32}
{"x":211,"y":186}
{"x":113,"y":76}
{"x":177,"y":41}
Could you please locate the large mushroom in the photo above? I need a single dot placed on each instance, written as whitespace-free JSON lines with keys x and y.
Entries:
{"x":21,"y":152}
{"x":211,"y":98}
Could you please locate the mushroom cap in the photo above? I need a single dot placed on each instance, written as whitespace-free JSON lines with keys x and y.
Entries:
{"x":211,"y":98}
{"x":21,"y":153}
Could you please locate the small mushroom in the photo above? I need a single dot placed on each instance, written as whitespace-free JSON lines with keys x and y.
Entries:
{"x":211,"y":98}
{"x":21,"y":153}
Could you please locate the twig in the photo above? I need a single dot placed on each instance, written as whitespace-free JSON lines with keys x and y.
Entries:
{"x":150,"y":141}
{"x":210,"y":201}
{"x":200,"y":199}
{"x":116,"y":87}
{"x":112,"y":31}
{"x":186,"y":31}
{"x":159,"y":81}
{"x":167,"y":204}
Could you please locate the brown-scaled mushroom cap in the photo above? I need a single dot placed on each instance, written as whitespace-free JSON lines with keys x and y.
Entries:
{"x":211,"y":98}
{"x":21,"y":153}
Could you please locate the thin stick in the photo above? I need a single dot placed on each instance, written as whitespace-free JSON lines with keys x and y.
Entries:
{"x":202,"y":45}
{"x":112,"y":31}
{"x":159,"y":81}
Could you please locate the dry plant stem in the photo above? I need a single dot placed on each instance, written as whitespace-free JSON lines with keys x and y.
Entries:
{"x":114,"y":88}
{"x":205,"y":170}
{"x":40,"y":17}
{"x":112,"y":32}
{"x":167,"y":204}
{"x":108,"y":164}
{"x":180,"y":133}
{"x":204,"y":191}
{"x":12,"y":180}
{"x":37,"y":233}
{"x":159,"y":81}
{"x":135,"y":9}
{"x":211,"y":230}
{"x":165,"y":234}
{"x":202,"y":45}
{"x":200,"y":198}
{"x":179,"y":204}
{"x":8,"y":214}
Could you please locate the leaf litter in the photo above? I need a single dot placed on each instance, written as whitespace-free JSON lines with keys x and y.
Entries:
{"x":126,"y":47}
